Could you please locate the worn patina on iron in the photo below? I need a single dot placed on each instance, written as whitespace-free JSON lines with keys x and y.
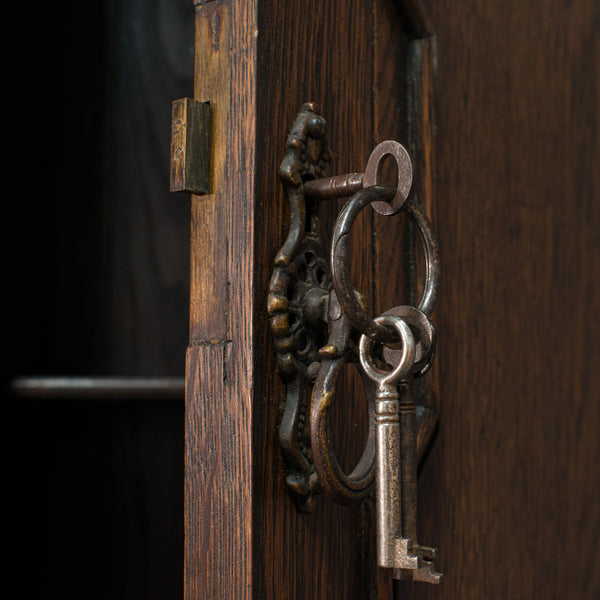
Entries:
{"x":317,"y":319}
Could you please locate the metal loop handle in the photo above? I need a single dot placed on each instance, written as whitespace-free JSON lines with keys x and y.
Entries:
{"x":340,"y":268}
{"x":341,"y":487}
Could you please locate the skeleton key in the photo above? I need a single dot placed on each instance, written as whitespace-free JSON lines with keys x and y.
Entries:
{"x":396,"y":461}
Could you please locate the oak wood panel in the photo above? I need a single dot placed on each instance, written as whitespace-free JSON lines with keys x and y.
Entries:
{"x":272,"y":551}
{"x":209,"y":266}
{"x":510,"y":490}
{"x":310,"y":51}
{"x":509,"y":487}
{"x":218,"y":527}
{"x":219,"y":391}
{"x":392,"y":235}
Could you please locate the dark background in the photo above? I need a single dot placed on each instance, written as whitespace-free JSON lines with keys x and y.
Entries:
{"x":97,"y":258}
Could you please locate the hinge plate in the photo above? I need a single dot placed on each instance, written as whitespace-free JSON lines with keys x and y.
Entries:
{"x":190,"y":146}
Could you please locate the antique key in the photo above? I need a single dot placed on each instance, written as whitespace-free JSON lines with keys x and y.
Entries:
{"x":396,"y":460}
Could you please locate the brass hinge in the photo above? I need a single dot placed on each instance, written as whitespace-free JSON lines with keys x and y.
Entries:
{"x":190,"y":146}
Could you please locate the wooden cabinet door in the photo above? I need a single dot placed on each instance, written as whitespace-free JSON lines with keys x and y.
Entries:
{"x":498,"y":106}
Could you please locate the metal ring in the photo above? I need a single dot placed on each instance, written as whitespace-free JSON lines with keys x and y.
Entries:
{"x":345,"y":489}
{"x":404,"y":166}
{"x":340,"y":487}
{"x":340,"y":270}
{"x":425,"y":342}
{"x":407,"y":357}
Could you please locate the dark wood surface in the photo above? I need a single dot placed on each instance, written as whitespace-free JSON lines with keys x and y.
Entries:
{"x":510,"y":490}
{"x":219,"y":398}
{"x":255,"y":544}
{"x":501,"y":118}
{"x":256,"y":64}
{"x":320,"y":52}
{"x":500,"y":112}
{"x":312,"y":51}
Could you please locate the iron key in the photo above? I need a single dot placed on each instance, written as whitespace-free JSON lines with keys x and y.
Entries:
{"x":396,"y":461}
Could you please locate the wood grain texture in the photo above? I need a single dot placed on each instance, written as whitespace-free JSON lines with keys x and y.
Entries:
{"x":236,"y":232}
{"x":510,"y":490}
{"x":310,"y":51}
{"x":219,"y":393}
{"x":321,"y":52}
{"x":218,"y":491}
{"x":210,"y":214}
{"x":403,"y":93}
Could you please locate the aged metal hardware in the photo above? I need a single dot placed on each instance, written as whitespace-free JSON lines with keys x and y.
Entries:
{"x":298,"y":300}
{"x":396,"y":470}
{"x":299,"y":308}
{"x":317,"y":318}
{"x":190,"y":161}
{"x":341,"y":186}
{"x":338,"y":351}
{"x":340,"y":267}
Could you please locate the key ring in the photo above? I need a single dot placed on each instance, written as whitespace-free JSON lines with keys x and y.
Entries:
{"x":340,"y":268}
{"x":404,"y":167}
{"x":424,"y":343}
{"x":357,"y":485}
{"x":407,"y":357}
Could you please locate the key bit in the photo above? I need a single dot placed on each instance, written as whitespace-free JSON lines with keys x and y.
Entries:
{"x":425,"y":572}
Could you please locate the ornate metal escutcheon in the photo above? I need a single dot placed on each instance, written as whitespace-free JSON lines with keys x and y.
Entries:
{"x":298,"y":300}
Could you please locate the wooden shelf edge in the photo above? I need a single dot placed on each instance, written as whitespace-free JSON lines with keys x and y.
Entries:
{"x":98,"y":388}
